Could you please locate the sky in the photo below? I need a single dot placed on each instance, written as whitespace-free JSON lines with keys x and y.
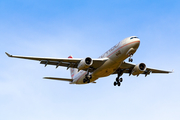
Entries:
{"x":88,"y":28}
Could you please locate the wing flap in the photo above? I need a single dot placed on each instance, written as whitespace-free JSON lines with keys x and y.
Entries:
{"x":59,"y":63}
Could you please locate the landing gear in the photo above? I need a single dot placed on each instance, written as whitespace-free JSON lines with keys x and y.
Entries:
{"x":87,"y":78}
{"x":117,"y":83}
{"x":130,"y":59}
{"x":118,"y":79}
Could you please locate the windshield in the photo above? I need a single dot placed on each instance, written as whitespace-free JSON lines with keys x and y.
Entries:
{"x":133,"y":37}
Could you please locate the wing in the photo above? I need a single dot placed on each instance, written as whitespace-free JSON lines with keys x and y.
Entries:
{"x":65,"y":62}
{"x":62,"y":79}
{"x":127,"y":67}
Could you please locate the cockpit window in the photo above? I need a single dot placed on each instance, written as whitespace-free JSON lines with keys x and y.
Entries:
{"x":133,"y":37}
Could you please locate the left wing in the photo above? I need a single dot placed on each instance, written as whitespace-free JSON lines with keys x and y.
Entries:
{"x":62,"y":79}
{"x":65,"y":62}
{"x":128,"y":67}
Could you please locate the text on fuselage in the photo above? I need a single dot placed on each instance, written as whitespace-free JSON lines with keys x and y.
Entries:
{"x":109,"y":51}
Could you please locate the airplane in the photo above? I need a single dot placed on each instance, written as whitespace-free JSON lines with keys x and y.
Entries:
{"x":88,"y":70}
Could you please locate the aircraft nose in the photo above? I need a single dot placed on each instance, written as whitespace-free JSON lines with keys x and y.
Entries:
{"x":137,"y":43}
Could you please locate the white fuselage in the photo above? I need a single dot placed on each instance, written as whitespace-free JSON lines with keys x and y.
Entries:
{"x":116,"y":55}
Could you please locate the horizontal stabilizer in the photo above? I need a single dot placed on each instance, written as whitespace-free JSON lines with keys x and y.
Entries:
{"x":62,"y":79}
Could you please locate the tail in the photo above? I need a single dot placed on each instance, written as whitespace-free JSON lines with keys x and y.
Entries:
{"x":73,"y":71}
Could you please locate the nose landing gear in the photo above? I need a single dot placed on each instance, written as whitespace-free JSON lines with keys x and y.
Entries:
{"x":130,"y":59}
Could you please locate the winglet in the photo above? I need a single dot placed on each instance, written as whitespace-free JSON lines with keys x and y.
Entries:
{"x":8,"y":54}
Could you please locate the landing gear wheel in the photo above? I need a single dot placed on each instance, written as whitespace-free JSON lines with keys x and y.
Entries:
{"x":130,"y":60}
{"x":115,"y":83}
{"x":85,"y":80}
{"x":119,"y":83}
{"x":88,"y":81}
{"x":120,"y":79}
{"x":90,"y":76}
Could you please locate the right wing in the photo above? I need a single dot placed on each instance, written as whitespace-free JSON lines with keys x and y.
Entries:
{"x":128,"y":67}
{"x":65,"y":62}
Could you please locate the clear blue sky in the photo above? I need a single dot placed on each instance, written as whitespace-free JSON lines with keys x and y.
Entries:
{"x":59,"y":28}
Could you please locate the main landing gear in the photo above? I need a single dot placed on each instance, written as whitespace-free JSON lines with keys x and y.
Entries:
{"x":118,"y":79}
{"x":87,"y":78}
{"x":118,"y":82}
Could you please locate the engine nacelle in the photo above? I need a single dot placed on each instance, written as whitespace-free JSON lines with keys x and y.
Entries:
{"x":138,"y":69}
{"x":85,"y":63}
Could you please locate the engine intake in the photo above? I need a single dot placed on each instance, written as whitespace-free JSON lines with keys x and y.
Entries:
{"x":85,"y":63}
{"x":138,"y":69}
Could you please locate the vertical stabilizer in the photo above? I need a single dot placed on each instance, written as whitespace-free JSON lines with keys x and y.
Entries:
{"x":73,"y":71}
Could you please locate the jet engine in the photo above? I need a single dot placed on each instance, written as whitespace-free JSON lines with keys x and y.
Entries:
{"x":85,"y":63}
{"x":138,"y":69}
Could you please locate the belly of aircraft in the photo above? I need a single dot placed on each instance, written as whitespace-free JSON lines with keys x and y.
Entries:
{"x":107,"y":69}
{"x":105,"y":72}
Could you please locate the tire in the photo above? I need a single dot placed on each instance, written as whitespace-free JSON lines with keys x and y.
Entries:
{"x":114,"y":83}
{"x":119,"y":83}
{"x":84,"y":80}
{"x":120,"y":79}
{"x":130,"y":60}
{"x":88,"y":81}
{"x":90,"y":77}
